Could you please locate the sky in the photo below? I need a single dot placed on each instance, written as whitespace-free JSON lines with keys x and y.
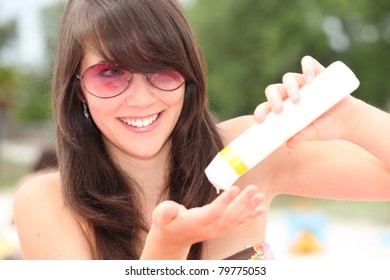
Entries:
{"x":29,"y":47}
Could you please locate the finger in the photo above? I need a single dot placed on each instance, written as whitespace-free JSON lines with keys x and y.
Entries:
{"x":275,"y":94}
{"x":165,"y":212}
{"x":261,"y":112}
{"x":253,"y":210}
{"x":242,"y":199}
{"x":309,"y":133}
{"x":293,"y":82}
{"x":242,"y":206}
{"x":310,"y":68}
{"x":210,"y":213}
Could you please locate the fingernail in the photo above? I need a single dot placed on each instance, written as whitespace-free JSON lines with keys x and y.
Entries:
{"x":295,"y":97}
{"x":258,"y":211}
{"x":257,"y":198}
{"x":250,"y":193}
{"x":277,"y":107}
{"x":259,"y":117}
{"x":309,"y":78}
{"x":234,"y":191}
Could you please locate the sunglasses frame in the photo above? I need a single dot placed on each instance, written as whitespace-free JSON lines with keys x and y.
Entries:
{"x":146,"y":77}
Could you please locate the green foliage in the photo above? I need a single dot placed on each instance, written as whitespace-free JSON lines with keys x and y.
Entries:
{"x":50,"y":18}
{"x":25,"y":94}
{"x":250,"y":44}
{"x":9,"y":82}
{"x":32,"y":103}
{"x":7,"y":32}
{"x":9,"y":79}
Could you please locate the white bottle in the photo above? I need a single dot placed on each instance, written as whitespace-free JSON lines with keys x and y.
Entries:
{"x":327,"y":89}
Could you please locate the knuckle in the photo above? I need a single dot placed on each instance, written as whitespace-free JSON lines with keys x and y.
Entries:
{"x":271,"y":88}
{"x":288,"y":77}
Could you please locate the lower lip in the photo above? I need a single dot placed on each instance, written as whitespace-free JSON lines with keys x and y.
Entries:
{"x":146,"y":129}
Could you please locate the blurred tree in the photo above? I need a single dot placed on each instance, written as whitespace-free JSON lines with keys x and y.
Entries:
{"x":7,"y":32}
{"x":34,"y":102}
{"x":20,"y":90}
{"x":8,"y":77}
{"x":50,"y":21}
{"x":249,"y":44}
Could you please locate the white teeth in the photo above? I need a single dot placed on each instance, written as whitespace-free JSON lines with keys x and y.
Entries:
{"x":146,"y":122}
{"x":140,"y":122}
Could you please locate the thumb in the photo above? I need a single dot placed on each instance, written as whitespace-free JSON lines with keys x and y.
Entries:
{"x":308,"y":133}
{"x":165,"y":212}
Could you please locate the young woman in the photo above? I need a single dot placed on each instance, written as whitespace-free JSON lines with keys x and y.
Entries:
{"x":135,"y":135}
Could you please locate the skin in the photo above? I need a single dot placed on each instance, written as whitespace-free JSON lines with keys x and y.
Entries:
{"x":348,"y":141}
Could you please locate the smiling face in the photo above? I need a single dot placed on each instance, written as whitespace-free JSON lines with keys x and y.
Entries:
{"x":138,"y":122}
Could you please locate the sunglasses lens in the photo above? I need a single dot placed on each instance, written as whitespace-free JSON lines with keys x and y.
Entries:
{"x":105,"y":80}
{"x":167,"y":80}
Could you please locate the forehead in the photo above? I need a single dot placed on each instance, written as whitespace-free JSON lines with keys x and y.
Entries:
{"x":90,"y":57}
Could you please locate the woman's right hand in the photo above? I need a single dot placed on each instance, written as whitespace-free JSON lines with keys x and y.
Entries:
{"x":336,"y":123}
{"x":174,"y":228}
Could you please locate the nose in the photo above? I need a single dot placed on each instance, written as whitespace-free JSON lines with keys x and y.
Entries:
{"x":139,"y":93}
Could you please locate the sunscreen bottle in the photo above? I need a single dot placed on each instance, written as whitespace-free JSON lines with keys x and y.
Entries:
{"x":326,"y":90}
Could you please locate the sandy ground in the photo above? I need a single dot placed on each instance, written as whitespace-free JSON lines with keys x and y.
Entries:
{"x":339,"y":238}
{"x":9,"y":243}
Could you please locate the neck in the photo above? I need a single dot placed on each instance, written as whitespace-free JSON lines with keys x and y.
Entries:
{"x":149,"y":173}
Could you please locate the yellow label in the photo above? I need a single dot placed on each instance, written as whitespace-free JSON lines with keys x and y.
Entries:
{"x":233,"y":160}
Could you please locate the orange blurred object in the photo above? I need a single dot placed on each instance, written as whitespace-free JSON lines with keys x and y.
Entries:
{"x":306,"y":242}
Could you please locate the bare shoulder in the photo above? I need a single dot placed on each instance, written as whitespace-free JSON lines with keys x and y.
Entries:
{"x":39,"y":191}
{"x":48,"y":229}
{"x":232,"y":128}
{"x":48,"y":181}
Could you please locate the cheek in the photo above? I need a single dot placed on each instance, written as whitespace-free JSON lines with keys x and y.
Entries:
{"x":101,"y":113}
{"x":175,"y":99}
{"x":176,"y":107}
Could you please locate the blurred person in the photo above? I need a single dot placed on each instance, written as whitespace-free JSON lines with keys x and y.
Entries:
{"x":135,"y":134}
{"x":46,"y":163}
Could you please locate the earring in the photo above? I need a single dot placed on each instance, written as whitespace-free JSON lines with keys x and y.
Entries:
{"x":86,"y":114}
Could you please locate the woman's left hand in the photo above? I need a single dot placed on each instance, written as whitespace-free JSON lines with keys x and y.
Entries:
{"x":331,"y":125}
{"x":174,"y":228}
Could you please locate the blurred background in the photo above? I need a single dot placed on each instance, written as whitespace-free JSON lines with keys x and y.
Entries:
{"x":248,"y":44}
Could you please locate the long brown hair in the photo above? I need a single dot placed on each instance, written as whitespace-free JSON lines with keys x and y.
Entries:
{"x":146,"y":36}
